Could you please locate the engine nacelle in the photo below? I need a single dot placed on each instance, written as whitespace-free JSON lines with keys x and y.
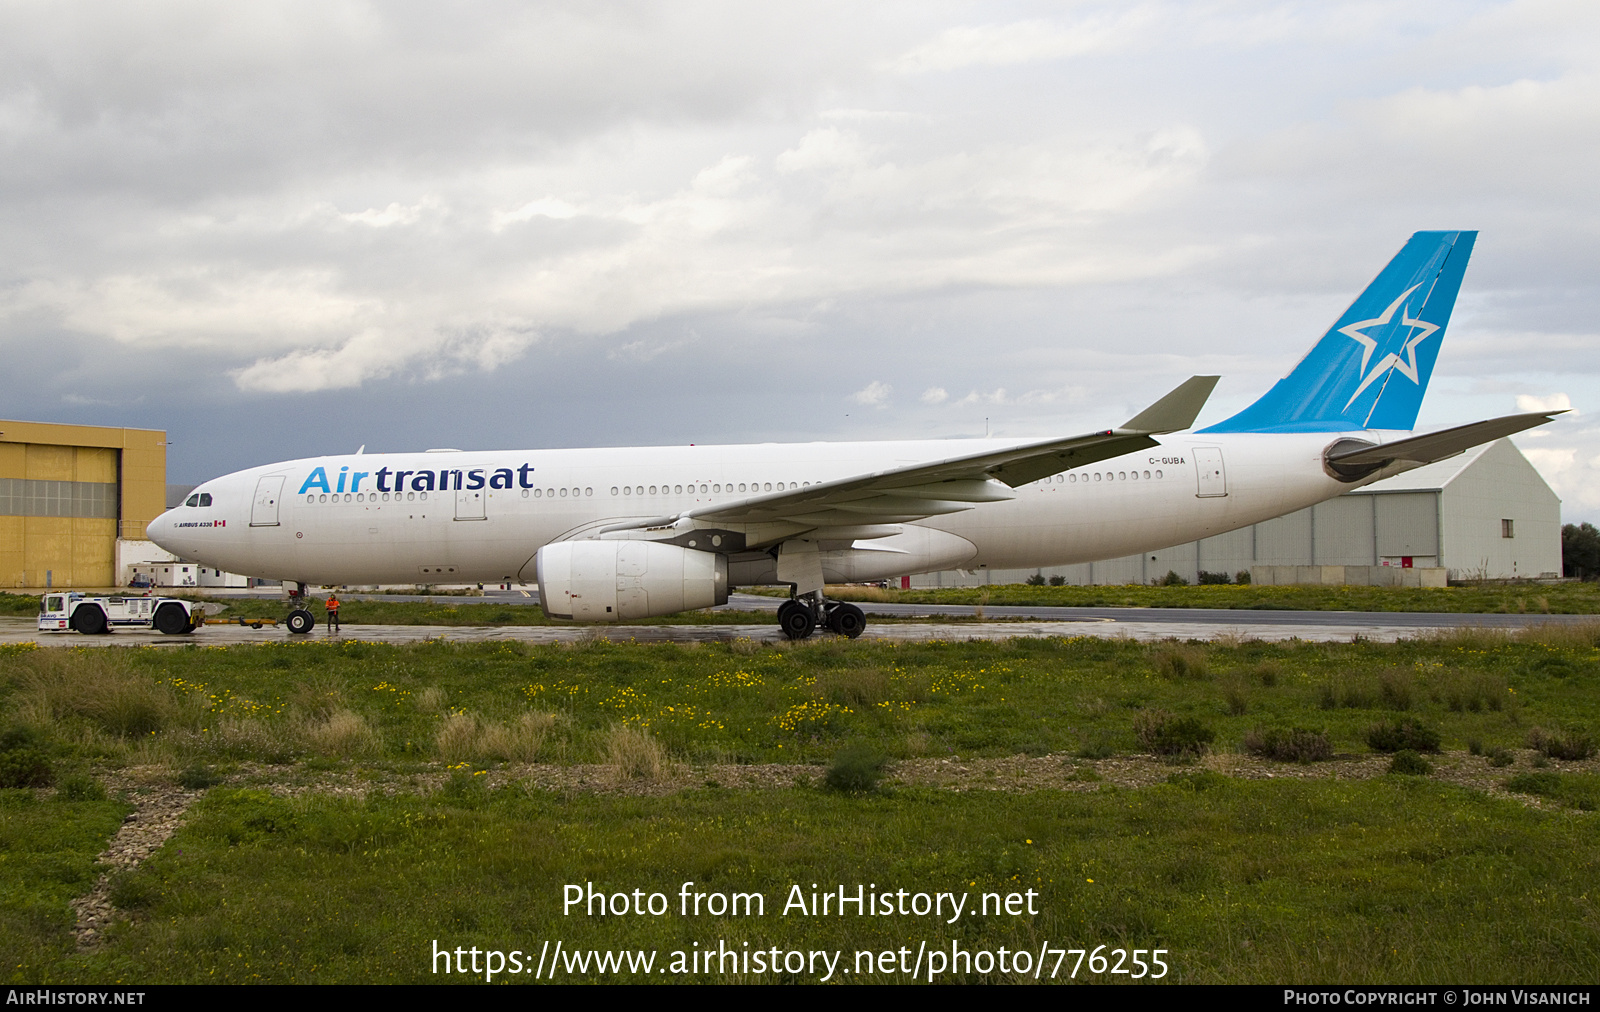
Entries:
{"x":614,"y":581}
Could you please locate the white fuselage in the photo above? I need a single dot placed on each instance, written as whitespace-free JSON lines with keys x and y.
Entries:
{"x":342,"y":520}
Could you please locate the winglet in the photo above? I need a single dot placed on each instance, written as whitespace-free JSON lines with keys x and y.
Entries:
{"x":1177,"y":410}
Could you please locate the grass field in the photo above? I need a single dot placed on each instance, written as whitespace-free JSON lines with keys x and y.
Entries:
{"x":1398,"y":878}
{"x":1394,"y":880}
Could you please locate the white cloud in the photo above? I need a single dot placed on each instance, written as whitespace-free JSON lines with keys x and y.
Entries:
{"x":1023,"y":42}
{"x":1551,"y":402}
{"x":873,"y":394}
{"x":394,"y":214}
{"x":935,"y":395}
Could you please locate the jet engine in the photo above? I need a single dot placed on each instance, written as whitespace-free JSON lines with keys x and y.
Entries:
{"x":614,"y":581}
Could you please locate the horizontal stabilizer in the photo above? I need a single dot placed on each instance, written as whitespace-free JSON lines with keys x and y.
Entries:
{"x":1432,"y":446}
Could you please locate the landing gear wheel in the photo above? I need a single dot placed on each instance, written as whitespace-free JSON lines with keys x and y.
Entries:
{"x":90,"y":621}
{"x":171,"y":620}
{"x":301,"y":622}
{"x":847,"y":620}
{"x":796,"y":620}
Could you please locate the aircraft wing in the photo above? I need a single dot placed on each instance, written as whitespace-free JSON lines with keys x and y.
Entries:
{"x":917,"y":491}
{"x":1432,"y":446}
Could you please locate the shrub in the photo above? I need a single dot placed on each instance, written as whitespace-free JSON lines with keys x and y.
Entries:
{"x":1546,"y":785}
{"x":1204,"y":578}
{"x":1409,"y":735}
{"x":1058,"y":581}
{"x":1499,"y":757}
{"x":1572,"y":746}
{"x":344,"y":733}
{"x":1582,"y":792}
{"x":80,"y":787}
{"x":26,"y":767}
{"x":1098,"y":748}
{"x":1175,"y":737}
{"x":1235,"y":693}
{"x":1346,"y":692}
{"x":1177,"y":662}
{"x":1410,"y":763}
{"x":856,"y":769}
{"x":100,"y":687}
{"x":464,"y":737}
{"x":1267,"y":673}
{"x":1298,"y":744}
{"x":632,"y":754}
{"x":1473,"y":693}
{"x":198,"y":778}
{"x":1395,"y":688}
{"x":1172,"y":579}
{"x":1036,"y":580}
{"x":1242,"y":577}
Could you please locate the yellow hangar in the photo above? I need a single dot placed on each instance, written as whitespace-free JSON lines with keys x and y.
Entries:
{"x":69,"y":494}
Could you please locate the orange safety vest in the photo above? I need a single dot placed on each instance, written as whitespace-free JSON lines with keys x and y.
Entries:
{"x":333,"y":604}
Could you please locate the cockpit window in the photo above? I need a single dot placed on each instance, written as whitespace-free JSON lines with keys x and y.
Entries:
{"x":205,"y":498}
{"x":193,"y":500}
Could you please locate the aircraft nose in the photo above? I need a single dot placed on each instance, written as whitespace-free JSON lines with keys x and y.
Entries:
{"x":163,"y":531}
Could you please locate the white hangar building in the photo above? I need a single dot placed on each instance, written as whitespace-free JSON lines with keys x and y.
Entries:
{"x":1486,"y":513}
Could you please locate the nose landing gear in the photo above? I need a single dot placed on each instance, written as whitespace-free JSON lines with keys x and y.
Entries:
{"x":300,"y":620}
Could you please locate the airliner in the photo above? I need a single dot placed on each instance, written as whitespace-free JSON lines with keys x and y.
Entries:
{"x":618,"y":534}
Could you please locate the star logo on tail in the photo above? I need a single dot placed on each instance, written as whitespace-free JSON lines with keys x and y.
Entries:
{"x":1421,"y":330}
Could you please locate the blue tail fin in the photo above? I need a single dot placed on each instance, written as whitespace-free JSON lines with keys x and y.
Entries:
{"x":1371,"y":368}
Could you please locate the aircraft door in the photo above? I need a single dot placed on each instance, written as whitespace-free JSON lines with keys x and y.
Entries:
{"x":264,"y":511}
{"x":471,"y":504}
{"x":1211,"y":476}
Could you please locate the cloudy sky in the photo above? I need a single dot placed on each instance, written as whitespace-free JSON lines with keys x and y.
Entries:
{"x":283,"y":229}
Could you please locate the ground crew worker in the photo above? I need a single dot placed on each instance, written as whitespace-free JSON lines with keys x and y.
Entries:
{"x":332,"y":604}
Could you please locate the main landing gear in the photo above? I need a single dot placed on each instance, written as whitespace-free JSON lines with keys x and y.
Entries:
{"x":799,"y":617}
{"x":300,"y":620}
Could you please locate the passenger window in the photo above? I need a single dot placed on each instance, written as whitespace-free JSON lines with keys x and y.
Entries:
{"x":322,"y":498}
{"x":652,"y":490}
{"x":311,"y":498}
